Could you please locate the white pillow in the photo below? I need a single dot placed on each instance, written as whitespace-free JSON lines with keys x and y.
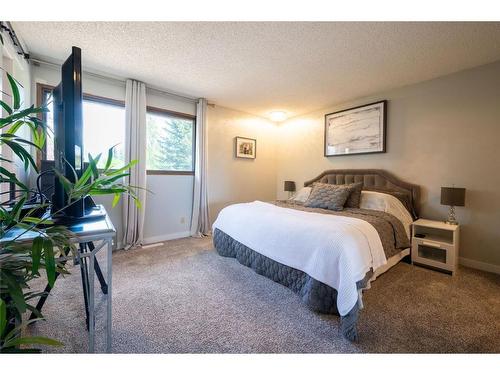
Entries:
{"x":302,"y":194}
{"x":374,"y":200}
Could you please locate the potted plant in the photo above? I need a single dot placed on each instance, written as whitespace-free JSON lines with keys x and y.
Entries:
{"x":21,"y":262}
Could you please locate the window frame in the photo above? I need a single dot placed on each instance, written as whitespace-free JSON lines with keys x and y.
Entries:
{"x":166,"y":112}
{"x":42,"y":89}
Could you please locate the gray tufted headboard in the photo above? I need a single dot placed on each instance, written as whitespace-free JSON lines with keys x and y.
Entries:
{"x":372,"y":179}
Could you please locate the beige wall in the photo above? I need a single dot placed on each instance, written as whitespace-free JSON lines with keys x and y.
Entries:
{"x":441,"y":132}
{"x":230,"y":179}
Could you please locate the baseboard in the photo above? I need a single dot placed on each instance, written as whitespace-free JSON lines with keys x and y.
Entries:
{"x":488,"y":267}
{"x":166,"y":237}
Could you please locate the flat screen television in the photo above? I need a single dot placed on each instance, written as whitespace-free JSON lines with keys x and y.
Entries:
{"x":68,"y":133}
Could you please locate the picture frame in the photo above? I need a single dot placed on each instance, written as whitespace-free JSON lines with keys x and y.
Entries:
{"x":245,"y":148}
{"x":357,"y":130}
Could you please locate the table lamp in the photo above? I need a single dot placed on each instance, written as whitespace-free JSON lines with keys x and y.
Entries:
{"x":452,"y":196}
{"x":290,"y":187}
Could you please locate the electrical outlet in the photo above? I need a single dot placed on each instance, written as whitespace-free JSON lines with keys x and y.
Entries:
{"x":183,"y":220}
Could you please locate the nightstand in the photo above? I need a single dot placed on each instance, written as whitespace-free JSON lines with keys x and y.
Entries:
{"x":435,"y":244}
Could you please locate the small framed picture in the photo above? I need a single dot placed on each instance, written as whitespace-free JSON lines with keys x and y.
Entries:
{"x":245,"y":148}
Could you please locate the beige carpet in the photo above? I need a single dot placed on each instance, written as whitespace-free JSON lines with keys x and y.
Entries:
{"x":184,"y":298}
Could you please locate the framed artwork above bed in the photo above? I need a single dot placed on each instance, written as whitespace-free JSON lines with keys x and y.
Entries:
{"x":358,"y":130}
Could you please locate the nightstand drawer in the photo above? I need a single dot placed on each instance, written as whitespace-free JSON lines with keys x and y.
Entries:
{"x":436,"y":254}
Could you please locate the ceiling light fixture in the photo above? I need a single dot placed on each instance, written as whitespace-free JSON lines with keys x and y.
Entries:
{"x":277,"y":116}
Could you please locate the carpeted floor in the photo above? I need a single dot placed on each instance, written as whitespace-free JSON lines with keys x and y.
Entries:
{"x":184,"y":298}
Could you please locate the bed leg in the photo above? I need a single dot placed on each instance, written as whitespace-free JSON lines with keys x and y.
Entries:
{"x":407,"y":259}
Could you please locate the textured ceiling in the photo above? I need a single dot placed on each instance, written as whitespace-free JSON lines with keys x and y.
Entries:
{"x":259,"y":67}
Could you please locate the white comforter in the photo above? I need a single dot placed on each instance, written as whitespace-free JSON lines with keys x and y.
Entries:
{"x":335,"y":250}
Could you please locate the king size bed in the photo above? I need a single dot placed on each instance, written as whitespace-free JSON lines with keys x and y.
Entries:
{"x":327,"y":253}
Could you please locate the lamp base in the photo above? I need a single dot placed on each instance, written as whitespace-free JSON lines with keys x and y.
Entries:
{"x":452,"y":220}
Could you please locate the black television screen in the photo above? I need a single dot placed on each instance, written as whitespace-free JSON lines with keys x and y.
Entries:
{"x":68,"y":132}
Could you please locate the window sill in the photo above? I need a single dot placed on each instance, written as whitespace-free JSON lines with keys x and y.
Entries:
{"x":179,"y":173}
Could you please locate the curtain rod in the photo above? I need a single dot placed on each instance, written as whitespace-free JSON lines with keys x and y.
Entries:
{"x":7,"y":27}
{"x":120,"y":81}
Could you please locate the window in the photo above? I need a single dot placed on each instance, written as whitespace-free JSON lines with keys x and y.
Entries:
{"x":170,"y":142}
{"x":170,"y":135}
{"x":48,"y":118}
{"x":103,"y":127}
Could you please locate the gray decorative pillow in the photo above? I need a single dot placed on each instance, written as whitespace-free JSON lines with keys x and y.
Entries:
{"x":355,"y":196}
{"x":331,"y":197}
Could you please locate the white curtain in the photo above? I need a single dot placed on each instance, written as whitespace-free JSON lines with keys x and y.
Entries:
{"x":200,"y":223}
{"x":135,"y":149}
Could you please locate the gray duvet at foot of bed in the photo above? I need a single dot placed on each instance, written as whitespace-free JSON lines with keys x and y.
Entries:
{"x":316,"y":295}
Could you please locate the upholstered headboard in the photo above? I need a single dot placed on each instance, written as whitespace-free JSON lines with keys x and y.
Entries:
{"x":372,"y":179}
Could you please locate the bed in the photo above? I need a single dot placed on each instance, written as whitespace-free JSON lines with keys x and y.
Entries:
{"x":327,"y":257}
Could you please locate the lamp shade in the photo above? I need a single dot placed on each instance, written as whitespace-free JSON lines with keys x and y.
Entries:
{"x":452,"y":196}
{"x":289,"y":186}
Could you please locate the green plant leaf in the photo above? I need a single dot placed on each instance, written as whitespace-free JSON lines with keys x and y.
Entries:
{"x":110,"y":158}
{"x":18,"y":208}
{"x":107,"y":191}
{"x":3,"y":316}
{"x":15,"y":91}
{"x":39,"y":138}
{"x":67,"y":185}
{"x":15,"y":127}
{"x":50,"y":263}
{"x":36,"y":220}
{"x":36,"y":254}
{"x":11,"y":177}
{"x":33,"y":340}
{"x":87,"y":173}
{"x":93,"y":165}
{"x":20,"y":152}
{"x":23,"y":141}
{"x":6,"y":107}
{"x":15,"y":291}
{"x":114,"y":178}
{"x":123,"y":169}
{"x":31,"y":295}
{"x":21,"y":114}
{"x":137,"y":201}
{"x":19,"y":328}
{"x":116,"y":199}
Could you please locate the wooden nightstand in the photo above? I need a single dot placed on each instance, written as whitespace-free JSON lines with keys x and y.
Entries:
{"x":435,"y":244}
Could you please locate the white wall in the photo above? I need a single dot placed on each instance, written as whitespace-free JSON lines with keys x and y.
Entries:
{"x":168,"y":208}
{"x":231,"y":179}
{"x":19,"y":68}
{"x":440,"y":132}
